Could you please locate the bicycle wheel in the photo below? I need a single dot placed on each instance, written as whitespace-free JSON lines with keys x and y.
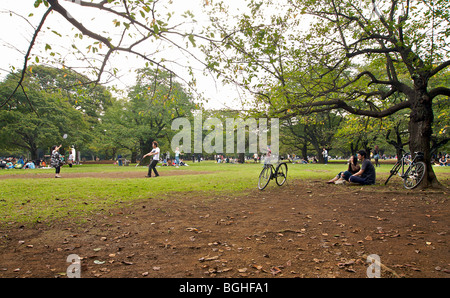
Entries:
{"x":281,"y":174}
{"x":264,"y":177}
{"x":414,"y":175}
{"x":393,"y":172}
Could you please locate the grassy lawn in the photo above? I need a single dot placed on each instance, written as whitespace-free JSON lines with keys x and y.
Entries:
{"x":30,"y":200}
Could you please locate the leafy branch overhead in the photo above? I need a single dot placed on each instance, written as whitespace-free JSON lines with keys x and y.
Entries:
{"x":311,"y":53}
{"x":142,"y":29}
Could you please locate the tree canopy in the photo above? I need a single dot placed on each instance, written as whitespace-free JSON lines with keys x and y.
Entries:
{"x":313,"y":56}
{"x":43,"y":112}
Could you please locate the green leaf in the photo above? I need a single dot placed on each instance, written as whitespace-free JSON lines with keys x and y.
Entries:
{"x":56,"y":33}
{"x":191,"y":39}
{"x":156,"y":29}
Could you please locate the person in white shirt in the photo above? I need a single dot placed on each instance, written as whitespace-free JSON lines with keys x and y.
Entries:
{"x":155,"y":154}
{"x":325,"y":155}
{"x":177,"y":156}
{"x":70,"y":159}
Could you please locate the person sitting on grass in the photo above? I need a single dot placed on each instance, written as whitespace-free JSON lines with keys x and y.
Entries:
{"x":366,"y":175}
{"x":2,"y":164}
{"x":353,"y":168}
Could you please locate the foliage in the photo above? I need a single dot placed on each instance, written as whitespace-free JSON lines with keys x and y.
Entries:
{"x":146,"y":115}
{"x":318,"y":130}
{"x":104,"y":30}
{"x":39,"y":118}
{"x":312,"y":56}
{"x":89,"y":98}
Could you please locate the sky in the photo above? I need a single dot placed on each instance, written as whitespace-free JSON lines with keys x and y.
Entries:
{"x":18,"y":28}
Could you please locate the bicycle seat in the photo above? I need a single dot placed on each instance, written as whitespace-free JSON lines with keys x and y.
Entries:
{"x":419,"y":156}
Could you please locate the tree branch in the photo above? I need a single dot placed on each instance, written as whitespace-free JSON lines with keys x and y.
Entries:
{"x":439,"y":91}
{"x":372,"y":51}
{"x":439,"y":68}
{"x":324,"y":106}
{"x":57,"y":7}
{"x":27,"y":55}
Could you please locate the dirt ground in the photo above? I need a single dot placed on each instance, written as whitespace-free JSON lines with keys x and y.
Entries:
{"x":302,"y":229}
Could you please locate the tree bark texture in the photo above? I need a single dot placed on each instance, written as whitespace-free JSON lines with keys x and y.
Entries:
{"x":420,"y":129}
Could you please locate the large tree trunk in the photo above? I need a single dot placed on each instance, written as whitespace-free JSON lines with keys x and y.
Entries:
{"x":33,"y":152}
{"x":420,"y":130}
{"x":305,"y":150}
{"x":319,"y":150}
{"x":133,"y":156}
{"x":241,"y":158}
{"x":354,"y":148}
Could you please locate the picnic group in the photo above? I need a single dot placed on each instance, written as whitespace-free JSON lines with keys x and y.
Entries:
{"x":21,"y":163}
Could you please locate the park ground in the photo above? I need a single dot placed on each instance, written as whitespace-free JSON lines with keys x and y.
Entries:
{"x":210,"y":220}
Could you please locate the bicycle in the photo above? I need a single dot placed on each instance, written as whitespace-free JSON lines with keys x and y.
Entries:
{"x":269,"y":172}
{"x":415,"y":172}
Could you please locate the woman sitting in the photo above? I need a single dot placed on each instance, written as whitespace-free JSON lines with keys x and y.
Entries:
{"x":353,"y":168}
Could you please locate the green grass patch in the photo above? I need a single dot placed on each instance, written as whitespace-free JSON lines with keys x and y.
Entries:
{"x":30,"y":200}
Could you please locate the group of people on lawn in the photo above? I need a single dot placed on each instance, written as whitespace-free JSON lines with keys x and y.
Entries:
{"x":364,"y":174}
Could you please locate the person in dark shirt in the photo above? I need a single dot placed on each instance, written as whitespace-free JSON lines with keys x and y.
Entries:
{"x":367,"y":175}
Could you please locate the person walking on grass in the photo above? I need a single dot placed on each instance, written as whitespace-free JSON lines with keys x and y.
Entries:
{"x":154,"y":162}
{"x":56,"y":160}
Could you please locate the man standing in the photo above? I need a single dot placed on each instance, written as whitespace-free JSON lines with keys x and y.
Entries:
{"x":325,"y":155}
{"x":365,"y":176}
{"x":155,"y":154}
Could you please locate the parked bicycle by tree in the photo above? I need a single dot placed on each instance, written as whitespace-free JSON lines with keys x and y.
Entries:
{"x":412,"y":170}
